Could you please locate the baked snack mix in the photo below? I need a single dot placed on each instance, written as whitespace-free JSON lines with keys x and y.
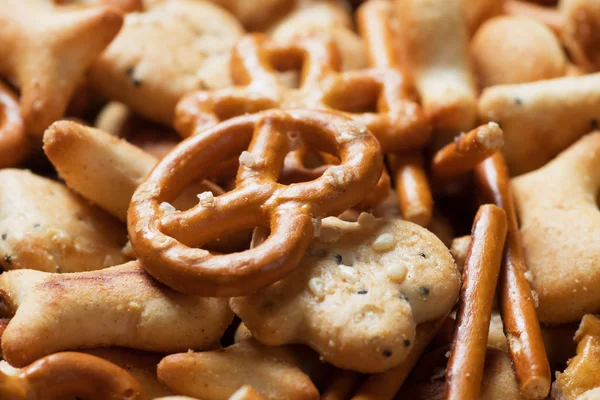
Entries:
{"x":299,"y":199}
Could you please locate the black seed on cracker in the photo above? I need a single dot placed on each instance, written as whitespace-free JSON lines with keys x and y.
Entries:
{"x":362,"y":291}
{"x":424,"y":290}
{"x":518,"y":101}
{"x":387,"y":353}
{"x":406,"y":342}
{"x":422,"y":255}
{"x":4,"y":236}
{"x":135,"y":81}
{"x":8,"y":259}
{"x":37,"y":226}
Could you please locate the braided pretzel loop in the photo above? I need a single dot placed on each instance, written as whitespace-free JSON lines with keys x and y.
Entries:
{"x":164,"y":241}
{"x":13,"y":140}
{"x":378,"y":97}
{"x":70,"y":374}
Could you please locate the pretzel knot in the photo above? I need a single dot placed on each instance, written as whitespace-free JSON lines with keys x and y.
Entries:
{"x":378,"y":98}
{"x":13,"y":140}
{"x":164,"y":240}
{"x":70,"y":374}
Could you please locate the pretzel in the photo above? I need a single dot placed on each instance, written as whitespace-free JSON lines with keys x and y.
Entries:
{"x":161,"y":239}
{"x":517,"y":305}
{"x":13,"y":140}
{"x":397,"y":122}
{"x":342,"y":384}
{"x":70,"y":374}
{"x":414,"y":194}
{"x":480,"y":275}
{"x":546,"y":15}
{"x":466,"y":152}
{"x":410,"y":180}
{"x":384,"y":386}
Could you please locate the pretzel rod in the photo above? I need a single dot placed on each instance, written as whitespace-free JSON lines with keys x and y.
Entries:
{"x":546,"y":15}
{"x":385,"y":385}
{"x":479,"y":279}
{"x":414,"y":194}
{"x":373,"y":26}
{"x":466,"y":152}
{"x":517,"y":305}
{"x":341,"y":385}
{"x":70,"y":374}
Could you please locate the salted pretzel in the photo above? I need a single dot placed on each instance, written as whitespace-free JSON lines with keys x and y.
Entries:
{"x":397,"y":121}
{"x":414,"y":194}
{"x":70,"y":374}
{"x":13,"y":140}
{"x":163,"y":239}
{"x":517,"y":304}
{"x":480,"y":276}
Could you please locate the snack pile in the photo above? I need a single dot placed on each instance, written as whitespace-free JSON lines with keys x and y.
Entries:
{"x":299,"y":199}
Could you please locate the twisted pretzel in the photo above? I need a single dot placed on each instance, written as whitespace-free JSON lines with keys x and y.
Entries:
{"x":396,"y":121}
{"x":163,"y":240}
{"x":70,"y":374}
{"x":13,"y":141}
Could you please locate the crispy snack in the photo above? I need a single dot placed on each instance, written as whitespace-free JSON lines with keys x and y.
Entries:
{"x":14,"y":144}
{"x":358,"y":294}
{"x":581,"y":32}
{"x":414,"y":194}
{"x":516,"y":299}
{"x":384,"y":386}
{"x":276,"y":373}
{"x":140,"y":364}
{"x":560,"y":225}
{"x":139,"y":64}
{"x":257,"y":15}
{"x":427,"y":379}
{"x":480,"y":275}
{"x":509,"y":50}
{"x":45,"y":226}
{"x":459,"y":249}
{"x":434,"y":35}
{"x":549,"y":16}
{"x":163,"y":238}
{"x":54,"y":312}
{"x":396,"y":120}
{"x":330,"y":17}
{"x":46,"y":50}
{"x":583,"y":370}
{"x":123,"y":5}
{"x":467,"y":150}
{"x":554,"y":112}
{"x":475,"y":13}
{"x":70,"y":374}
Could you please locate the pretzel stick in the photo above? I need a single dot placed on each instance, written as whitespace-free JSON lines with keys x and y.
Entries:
{"x":385,"y":385}
{"x":479,"y":279}
{"x":550,"y":17}
{"x":517,"y":305}
{"x":341,"y":385}
{"x":466,"y":152}
{"x":414,"y":195}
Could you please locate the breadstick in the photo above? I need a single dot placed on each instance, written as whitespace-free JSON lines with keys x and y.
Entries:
{"x":384,"y":386}
{"x":435,"y":38}
{"x":414,"y":194}
{"x":342,"y":385}
{"x":480,"y":276}
{"x":466,"y":152}
{"x":517,"y":305}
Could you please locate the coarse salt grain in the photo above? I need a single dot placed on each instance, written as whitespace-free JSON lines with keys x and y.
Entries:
{"x":367,"y":220}
{"x":384,"y":242}
{"x":336,"y":176}
{"x":396,"y":272}
{"x":316,"y":227}
{"x":207,"y":199}
{"x":167,"y":207}
{"x":248,"y":160}
{"x":315,"y":285}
